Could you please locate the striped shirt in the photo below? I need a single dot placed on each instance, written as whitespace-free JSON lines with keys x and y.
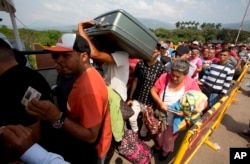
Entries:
{"x":219,"y":77}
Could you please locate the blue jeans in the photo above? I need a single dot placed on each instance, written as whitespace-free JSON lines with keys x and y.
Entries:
{"x":213,"y":98}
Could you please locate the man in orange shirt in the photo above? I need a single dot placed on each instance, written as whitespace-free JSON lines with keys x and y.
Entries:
{"x":87,"y":120}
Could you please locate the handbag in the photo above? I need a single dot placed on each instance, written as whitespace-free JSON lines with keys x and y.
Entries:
{"x":152,"y":123}
{"x":156,"y":121}
{"x":134,"y":149}
{"x":126,"y":110}
{"x":206,"y":89}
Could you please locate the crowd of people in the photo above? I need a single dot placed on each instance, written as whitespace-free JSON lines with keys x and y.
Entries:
{"x":79,"y":128}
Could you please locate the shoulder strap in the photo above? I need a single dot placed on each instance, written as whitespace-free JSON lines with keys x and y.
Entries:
{"x":167,"y":78}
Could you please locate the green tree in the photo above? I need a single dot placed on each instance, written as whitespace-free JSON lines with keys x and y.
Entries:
{"x":209,"y":34}
{"x":196,"y":25}
{"x":203,"y":25}
{"x":218,"y":26}
{"x":177,"y":24}
{"x":229,"y":35}
{"x":162,"y":33}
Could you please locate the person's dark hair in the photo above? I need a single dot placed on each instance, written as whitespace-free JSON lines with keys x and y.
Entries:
{"x":181,"y":50}
{"x":191,"y":47}
{"x":225,"y":44}
{"x":81,"y":45}
{"x":226,"y":50}
{"x":181,"y":65}
{"x":20,"y":58}
{"x":6,"y":50}
{"x":205,"y":47}
{"x":165,"y":59}
{"x":105,"y":44}
{"x":158,"y":46}
{"x":168,"y":41}
{"x":4,"y":45}
{"x":242,"y":45}
{"x":211,"y":48}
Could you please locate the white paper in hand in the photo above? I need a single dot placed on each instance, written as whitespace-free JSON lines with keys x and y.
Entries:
{"x":29,"y":95}
{"x":173,"y":110}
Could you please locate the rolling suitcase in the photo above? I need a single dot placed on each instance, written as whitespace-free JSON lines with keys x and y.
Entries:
{"x":118,"y":30}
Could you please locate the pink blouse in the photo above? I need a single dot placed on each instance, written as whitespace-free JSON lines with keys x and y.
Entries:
{"x":189,"y":83}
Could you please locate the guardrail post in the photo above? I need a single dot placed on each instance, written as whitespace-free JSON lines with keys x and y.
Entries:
{"x":214,"y":146}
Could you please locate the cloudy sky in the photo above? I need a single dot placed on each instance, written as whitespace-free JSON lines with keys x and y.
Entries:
{"x":70,"y":12}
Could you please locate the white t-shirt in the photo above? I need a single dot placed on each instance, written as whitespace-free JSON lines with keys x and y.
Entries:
{"x":116,"y":75}
{"x":192,"y":69}
{"x":171,"y":98}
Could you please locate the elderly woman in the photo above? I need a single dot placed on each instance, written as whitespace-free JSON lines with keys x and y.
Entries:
{"x":196,"y":60}
{"x":167,"y":90}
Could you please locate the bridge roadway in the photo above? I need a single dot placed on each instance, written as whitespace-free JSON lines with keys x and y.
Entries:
{"x":227,"y":135}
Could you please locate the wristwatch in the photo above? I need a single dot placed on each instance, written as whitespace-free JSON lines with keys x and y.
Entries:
{"x":59,"y":123}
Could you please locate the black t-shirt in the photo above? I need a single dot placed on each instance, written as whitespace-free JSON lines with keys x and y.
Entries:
{"x":62,"y":142}
{"x":147,"y":75}
{"x":13,"y":85}
{"x":64,"y":86}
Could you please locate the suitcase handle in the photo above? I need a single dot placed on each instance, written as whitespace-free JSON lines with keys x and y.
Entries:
{"x":98,"y":24}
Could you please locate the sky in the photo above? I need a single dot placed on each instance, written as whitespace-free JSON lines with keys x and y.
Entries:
{"x":45,"y":13}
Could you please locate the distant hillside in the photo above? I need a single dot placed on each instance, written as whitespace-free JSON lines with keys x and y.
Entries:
{"x":245,"y":27}
{"x":152,"y":23}
{"x":149,"y":23}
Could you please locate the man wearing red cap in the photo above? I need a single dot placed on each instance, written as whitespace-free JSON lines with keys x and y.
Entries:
{"x":86,"y":131}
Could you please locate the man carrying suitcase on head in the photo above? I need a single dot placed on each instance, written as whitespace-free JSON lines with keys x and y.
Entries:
{"x":115,"y":65}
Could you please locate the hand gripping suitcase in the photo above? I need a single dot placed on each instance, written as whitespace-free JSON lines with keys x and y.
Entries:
{"x":118,"y":30}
